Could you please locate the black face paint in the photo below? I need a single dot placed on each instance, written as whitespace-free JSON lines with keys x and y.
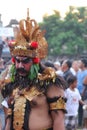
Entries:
{"x":24,"y":61}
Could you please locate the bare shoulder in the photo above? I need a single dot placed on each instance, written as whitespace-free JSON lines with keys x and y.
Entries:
{"x":55,"y":91}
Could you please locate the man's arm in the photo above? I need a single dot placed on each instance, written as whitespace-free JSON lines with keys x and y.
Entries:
{"x":58,"y":120}
{"x":57,"y":107}
{"x":8,"y":124}
{"x":7,"y":115}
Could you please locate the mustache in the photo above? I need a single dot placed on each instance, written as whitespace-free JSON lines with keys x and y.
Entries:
{"x":21,"y":70}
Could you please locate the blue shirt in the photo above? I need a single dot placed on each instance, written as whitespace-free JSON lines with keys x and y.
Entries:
{"x":80,"y":77}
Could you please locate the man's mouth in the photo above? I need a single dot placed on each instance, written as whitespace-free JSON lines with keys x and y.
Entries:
{"x":22,"y":71}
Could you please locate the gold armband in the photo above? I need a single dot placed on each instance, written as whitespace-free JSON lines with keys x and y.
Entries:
{"x":58,"y":105}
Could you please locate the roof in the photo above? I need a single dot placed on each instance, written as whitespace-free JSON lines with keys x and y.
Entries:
{"x":12,"y":22}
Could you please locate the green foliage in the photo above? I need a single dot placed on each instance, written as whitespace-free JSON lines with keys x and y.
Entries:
{"x":33,"y":71}
{"x":13,"y":72}
{"x":66,"y":36}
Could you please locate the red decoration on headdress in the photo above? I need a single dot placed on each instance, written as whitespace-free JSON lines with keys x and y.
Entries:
{"x":13,"y":60}
{"x":11,"y":43}
{"x":34,"y":45}
{"x":36,"y":60}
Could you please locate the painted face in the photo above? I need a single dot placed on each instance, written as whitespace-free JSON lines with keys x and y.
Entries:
{"x":23,"y":65}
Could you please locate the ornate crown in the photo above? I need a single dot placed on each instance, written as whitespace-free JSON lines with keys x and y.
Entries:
{"x":30,"y":40}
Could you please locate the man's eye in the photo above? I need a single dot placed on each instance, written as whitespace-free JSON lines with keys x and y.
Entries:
{"x":24,"y":61}
{"x":18,"y":60}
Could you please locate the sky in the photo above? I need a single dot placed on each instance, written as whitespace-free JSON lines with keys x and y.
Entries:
{"x":17,"y":9}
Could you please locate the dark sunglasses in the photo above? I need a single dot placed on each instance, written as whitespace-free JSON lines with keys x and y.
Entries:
{"x":24,"y":61}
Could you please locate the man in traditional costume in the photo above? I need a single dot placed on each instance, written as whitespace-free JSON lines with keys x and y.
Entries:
{"x":34,"y":94}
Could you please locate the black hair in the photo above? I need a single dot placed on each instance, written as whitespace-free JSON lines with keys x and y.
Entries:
{"x":59,"y":82}
{"x":7,"y":90}
{"x":84,"y":61}
{"x":69,"y":63}
{"x":49,"y":64}
{"x":71,"y":79}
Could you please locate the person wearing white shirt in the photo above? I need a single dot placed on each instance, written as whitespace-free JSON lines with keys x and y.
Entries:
{"x":73,"y":98}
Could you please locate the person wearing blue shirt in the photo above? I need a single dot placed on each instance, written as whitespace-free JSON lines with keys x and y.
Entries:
{"x":80,"y":77}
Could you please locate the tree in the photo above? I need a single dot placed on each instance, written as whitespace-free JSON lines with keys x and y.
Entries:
{"x":66,"y":36}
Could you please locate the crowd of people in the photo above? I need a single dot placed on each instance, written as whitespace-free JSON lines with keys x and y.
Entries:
{"x":36,"y":95}
{"x":75,"y":74}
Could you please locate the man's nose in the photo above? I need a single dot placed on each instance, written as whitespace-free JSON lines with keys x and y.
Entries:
{"x":21,"y":64}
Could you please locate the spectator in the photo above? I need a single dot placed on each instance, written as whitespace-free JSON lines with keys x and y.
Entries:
{"x":73,"y":98}
{"x":66,"y":64}
{"x":75,"y":67}
{"x":80,"y":77}
{"x":85,"y":100}
{"x":57,"y":65}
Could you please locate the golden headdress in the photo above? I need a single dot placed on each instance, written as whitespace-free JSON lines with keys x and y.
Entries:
{"x":29,"y":40}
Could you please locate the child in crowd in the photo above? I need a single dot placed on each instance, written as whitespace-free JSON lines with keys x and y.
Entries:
{"x":73,"y":98}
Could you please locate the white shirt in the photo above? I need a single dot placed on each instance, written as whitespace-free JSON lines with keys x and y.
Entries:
{"x":72,"y":103}
{"x":4,"y":103}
